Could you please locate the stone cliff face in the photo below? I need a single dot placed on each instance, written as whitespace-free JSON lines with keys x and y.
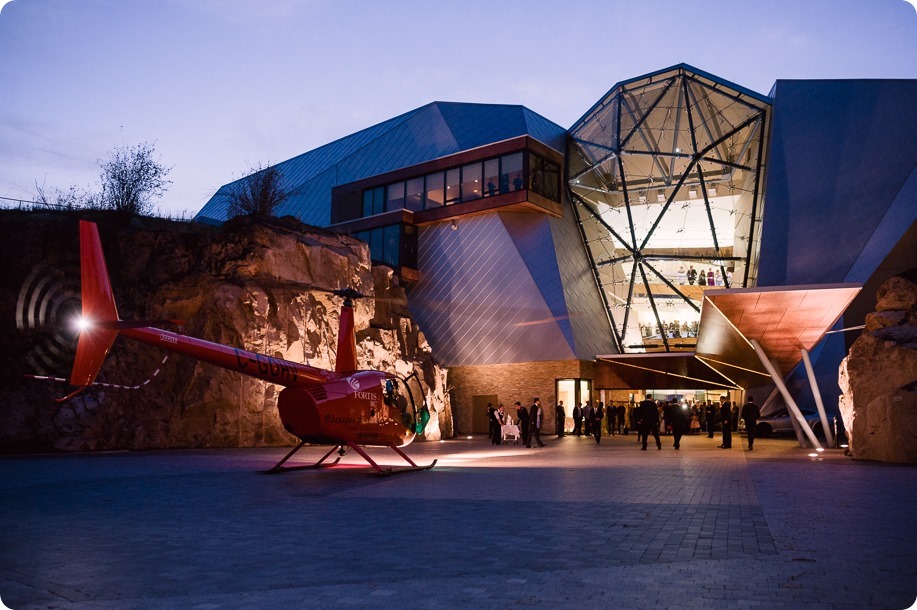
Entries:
{"x":878,"y":379}
{"x":261,"y":286}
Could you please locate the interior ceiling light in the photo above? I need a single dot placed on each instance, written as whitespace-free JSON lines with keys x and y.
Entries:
{"x":642,"y":198}
{"x":712,"y":191}
{"x":692,"y":194}
{"x":660,"y":198}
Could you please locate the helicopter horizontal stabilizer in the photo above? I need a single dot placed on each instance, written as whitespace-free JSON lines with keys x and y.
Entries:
{"x":98,"y":309}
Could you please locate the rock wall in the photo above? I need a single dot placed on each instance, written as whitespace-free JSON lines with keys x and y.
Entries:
{"x":261,"y":286}
{"x":878,"y":379}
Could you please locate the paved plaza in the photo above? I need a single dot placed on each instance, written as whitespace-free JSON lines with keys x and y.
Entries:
{"x":570,"y":525}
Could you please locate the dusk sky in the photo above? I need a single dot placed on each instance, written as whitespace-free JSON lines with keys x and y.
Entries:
{"x":222,"y":85}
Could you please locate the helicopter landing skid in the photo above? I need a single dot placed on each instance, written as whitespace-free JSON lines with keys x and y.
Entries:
{"x":279,"y":467}
{"x":384,"y":472}
{"x":378,"y":470}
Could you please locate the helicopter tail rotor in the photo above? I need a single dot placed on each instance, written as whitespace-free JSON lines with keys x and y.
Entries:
{"x":98,"y":322}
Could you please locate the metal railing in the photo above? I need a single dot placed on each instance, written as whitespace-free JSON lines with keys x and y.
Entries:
{"x":26,"y":204}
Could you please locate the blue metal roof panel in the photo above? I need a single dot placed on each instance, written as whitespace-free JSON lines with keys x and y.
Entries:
{"x":423,"y":134}
{"x":475,"y":125}
{"x":304,"y":167}
{"x":545,"y":131}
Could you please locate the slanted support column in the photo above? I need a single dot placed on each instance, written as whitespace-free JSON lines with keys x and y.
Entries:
{"x":769,"y":398}
{"x":829,"y":437}
{"x":790,"y":403}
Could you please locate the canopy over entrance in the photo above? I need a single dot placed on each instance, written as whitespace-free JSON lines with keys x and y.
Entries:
{"x":783,"y":320}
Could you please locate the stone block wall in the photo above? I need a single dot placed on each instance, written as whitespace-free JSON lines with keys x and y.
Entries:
{"x":511,"y":382}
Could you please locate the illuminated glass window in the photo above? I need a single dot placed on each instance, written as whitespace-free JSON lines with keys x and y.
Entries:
{"x":453,"y":185}
{"x":392,"y":245}
{"x":511,"y":173}
{"x":471,"y":182}
{"x":413,"y":194}
{"x":395,"y":196}
{"x":491,"y":177}
{"x":666,"y":176}
{"x":435,"y":196}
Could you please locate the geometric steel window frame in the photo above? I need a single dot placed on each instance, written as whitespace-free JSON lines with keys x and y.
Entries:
{"x":667,"y":171}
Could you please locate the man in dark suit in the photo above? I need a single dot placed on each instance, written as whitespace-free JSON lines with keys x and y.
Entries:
{"x":577,"y":420}
{"x":679,"y":418}
{"x":522,"y":415}
{"x":490,"y":421}
{"x":536,"y":414}
{"x":726,"y":422}
{"x":751,"y":413}
{"x":560,"y":417}
{"x":597,"y":414}
{"x":710,"y":418}
{"x":648,"y":421}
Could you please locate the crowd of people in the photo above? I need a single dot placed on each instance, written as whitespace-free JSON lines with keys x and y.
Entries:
{"x":708,"y":277}
{"x":647,"y":418}
{"x":528,"y":420}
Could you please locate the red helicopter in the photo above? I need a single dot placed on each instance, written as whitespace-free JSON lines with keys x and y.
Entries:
{"x":346,"y":408}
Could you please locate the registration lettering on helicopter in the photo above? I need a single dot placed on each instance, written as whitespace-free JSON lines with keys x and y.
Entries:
{"x":266,"y":365}
{"x":334,"y":419}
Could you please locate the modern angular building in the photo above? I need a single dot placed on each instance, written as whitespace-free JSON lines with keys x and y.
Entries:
{"x":575,"y":264}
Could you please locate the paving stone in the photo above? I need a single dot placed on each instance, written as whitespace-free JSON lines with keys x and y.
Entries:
{"x":493,"y":527}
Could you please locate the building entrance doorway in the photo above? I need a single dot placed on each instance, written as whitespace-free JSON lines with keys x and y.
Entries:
{"x":572,"y":392}
{"x":479,"y":423}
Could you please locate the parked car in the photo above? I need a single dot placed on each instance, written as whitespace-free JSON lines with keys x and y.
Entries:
{"x":778,"y":423}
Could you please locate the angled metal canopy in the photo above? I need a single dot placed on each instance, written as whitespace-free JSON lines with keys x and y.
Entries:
{"x":658,"y":370}
{"x":784,"y":321}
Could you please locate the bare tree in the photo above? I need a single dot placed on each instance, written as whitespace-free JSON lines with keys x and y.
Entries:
{"x":131,"y":178}
{"x":257,"y":194}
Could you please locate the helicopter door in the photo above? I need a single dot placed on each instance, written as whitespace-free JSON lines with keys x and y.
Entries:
{"x":421,"y":411}
{"x":399,"y":402}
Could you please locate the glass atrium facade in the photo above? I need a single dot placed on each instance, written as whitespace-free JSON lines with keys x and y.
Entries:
{"x":665,"y":174}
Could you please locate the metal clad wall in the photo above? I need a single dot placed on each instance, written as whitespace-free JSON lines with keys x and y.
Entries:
{"x":841,"y":152}
{"x":841,"y":192}
{"x":591,"y":330}
{"x":477,"y":300}
{"x":533,"y":240}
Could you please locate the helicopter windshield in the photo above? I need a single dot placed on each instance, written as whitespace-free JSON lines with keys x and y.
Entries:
{"x":397,"y":396}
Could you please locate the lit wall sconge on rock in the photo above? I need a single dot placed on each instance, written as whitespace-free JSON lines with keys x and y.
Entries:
{"x":453,"y":226}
